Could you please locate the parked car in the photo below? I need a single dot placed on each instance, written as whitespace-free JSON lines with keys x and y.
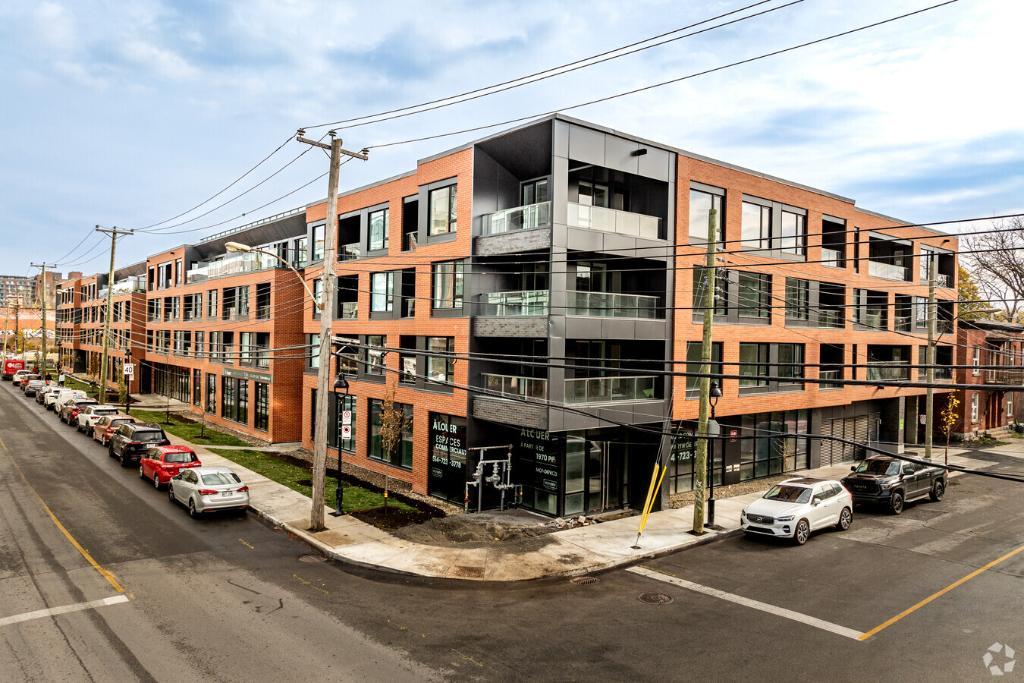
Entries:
{"x":87,"y":416}
{"x":104,"y":426}
{"x":161,"y":463}
{"x":74,"y":404}
{"x":11,"y":366}
{"x":130,"y":441}
{"x":794,"y":508}
{"x":25,"y":379}
{"x":41,"y":395}
{"x":205,"y":489}
{"x":55,"y":401}
{"x":893,"y":483}
{"x":18,"y":374}
{"x":34,"y":386}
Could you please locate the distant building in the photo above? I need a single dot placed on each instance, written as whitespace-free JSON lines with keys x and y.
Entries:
{"x":27,"y":290}
{"x":1000,"y":346}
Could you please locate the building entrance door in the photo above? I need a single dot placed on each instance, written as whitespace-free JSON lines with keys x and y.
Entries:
{"x":607,"y":476}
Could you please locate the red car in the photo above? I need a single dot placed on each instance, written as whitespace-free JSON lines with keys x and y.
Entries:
{"x":160,"y":463}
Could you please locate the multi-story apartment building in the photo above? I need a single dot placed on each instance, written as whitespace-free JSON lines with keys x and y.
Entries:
{"x":538,"y":293}
{"x":559,"y":264}
{"x":990,"y":353}
{"x":27,"y":290}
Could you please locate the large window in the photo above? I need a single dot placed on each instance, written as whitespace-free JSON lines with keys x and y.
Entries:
{"x":382,"y":291}
{"x":757,"y":226}
{"x":375,"y":354}
{"x":797,"y":299}
{"x":774,"y":443}
{"x":197,"y":388}
{"x":379,"y":224}
{"x":721,"y":298}
{"x":447,"y":282}
{"x":440,"y":368}
{"x":792,"y":232}
{"x":753,"y":295}
{"x":234,"y":402}
{"x":312,"y":351}
{"x":262,"y":422}
{"x":693,"y":365}
{"x":211,"y":393}
{"x":701,"y":203}
{"x":442,"y":211}
{"x":771,"y":367}
{"x":754,"y":365}
{"x":317,"y":252}
{"x":211,"y":303}
{"x":773,"y":226}
{"x":401,"y":456}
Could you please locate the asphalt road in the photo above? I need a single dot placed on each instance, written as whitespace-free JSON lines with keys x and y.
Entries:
{"x":230,"y":598}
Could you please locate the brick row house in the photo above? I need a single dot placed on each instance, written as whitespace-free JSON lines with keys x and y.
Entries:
{"x":559,"y":264}
{"x":990,"y":353}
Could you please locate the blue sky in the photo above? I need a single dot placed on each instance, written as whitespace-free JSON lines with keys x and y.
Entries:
{"x":126,"y":113}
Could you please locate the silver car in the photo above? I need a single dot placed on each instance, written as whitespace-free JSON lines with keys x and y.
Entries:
{"x":205,"y":489}
{"x":33,"y":386}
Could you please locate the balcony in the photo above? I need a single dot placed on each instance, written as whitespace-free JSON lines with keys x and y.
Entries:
{"x":610,"y":389}
{"x":241,"y":263}
{"x":611,"y":305}
{"x":526,"y":217}
{"x":889,"y":371}
{"x":833,"y":258}
{"x":1007,"y":376}
{"x":515,"y":386}
{"x":132,"y":285}
{"x":613,"y":220}
{"x":943,"y":280}
{"x":514,"y":304}
{"x":827,"y":378}
{"x":888,"y":271}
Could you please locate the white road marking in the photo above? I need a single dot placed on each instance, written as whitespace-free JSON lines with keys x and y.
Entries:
{"x":747,"y":602}
{"x":54,"y":611}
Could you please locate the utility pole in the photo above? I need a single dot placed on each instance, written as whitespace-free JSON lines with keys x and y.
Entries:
{"x":7,"y":321}
{"x":114,"y":233}
{"x":42,"y":308}
{"x":700,"y":468}
{"x":17,"y":326}
{"x":929,"y":401}
{"x":326,"y":308}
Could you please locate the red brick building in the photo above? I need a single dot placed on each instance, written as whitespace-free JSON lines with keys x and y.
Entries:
{"x":1000,"y":346}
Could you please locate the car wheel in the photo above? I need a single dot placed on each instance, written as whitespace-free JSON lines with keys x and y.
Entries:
{"x":845,"y":519}
{"x":125,"y":462}
{"x":938,"y":490}
{"x":802,"y":533}
{"x":110,"y":450}
{"x":142,"y":475}
{"x":170,"y":494}
{"x":156,"y":480}
{"x":192,"y":512}
{"x":896,"y":502}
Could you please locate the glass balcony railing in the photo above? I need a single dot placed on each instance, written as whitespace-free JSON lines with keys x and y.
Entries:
{"x":517,"y":218}
{"x":349,"y":310}
{"x":514,"y":304}
{"x":830,"y":374}
{"x":515,"y":386}
{"x":129,"y":285}
{"x":612,"y":305}
{"x":613,"y":220}
{"x":831,"y":257}
{"x":943,"y":280}
{"x":348,"y":252}
{"x":233,"y":265}
{"x":609,"y":389}
{"x":830,"y":318}
{"x":889,"y":271}
{"x":871,"y":319}
{"x":1007,"y":376}
{"x":903,"y":323}
{"x":894,"y":370}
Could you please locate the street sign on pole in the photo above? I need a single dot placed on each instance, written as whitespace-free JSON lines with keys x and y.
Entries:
{"x":346,"y":431}
{"x":129,"y":370}
{"x":346,"y":418}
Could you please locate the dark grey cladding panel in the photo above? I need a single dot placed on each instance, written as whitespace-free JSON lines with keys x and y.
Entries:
{"x":651,"y":329}
{"x":627,"y":413}
{"x":656,"y":163}
{"x":619,"y":154}
{"x":583,"y":328}
{"x":582,"y":239}
{"x":511,"y":412}
{"x":532,"y":326}
{"x":511,"y":242}
{"x":589,"y":146}
{"x":285,"y":228}
{"x":618,"y":328}
{"x":586,"y":145}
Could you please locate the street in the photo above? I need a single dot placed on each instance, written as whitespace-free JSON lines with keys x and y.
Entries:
{"x":229,"y":598}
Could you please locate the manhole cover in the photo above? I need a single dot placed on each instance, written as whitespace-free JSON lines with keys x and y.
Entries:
{"x":655,"y":598}
{"x":311,"y":559}
{"x":584,"y":580}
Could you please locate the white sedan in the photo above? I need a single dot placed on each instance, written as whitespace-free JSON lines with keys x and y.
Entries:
{"x":205,"y":489}
{"x":796,"y":507}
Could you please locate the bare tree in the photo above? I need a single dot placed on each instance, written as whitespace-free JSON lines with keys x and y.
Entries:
{"x":997,"y":266}
{"x":392,"y":424}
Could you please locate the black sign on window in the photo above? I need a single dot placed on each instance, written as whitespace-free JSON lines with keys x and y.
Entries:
{"x":447,"y":474}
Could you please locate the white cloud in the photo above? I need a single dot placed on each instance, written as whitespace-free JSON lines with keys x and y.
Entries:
{"x":158,"y":60}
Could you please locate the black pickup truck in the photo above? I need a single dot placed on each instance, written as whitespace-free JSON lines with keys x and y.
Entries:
{"x":892,"y":483}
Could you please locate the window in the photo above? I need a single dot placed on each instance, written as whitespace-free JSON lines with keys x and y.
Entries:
{"x":593,"y":194}
{"x":753,"y":295}
{"x":200,"y":344}
{"x":447,"y":284}
{"x":375,"y":354}
{"x":348,"y":357}
{"x":382,"y":291}
{"x":440,"y":369}
{"x":442,"y":213}
{"x":754,"y":365}
{"x":757,"y":226}
{"x":312,"y":352}
{"x":401,"y":456}
{"x":693,"y":366}
{"x":1009,"y":405}
{"x":534,"y":191}
{"x":791,"y":235}
{"x":317,"y":253}
{"x":234,"y":399}
{"x":974,"y":408}
{"x":211,"y":303}
{"x":318,"y":296}
{"x":790,"y":367}
{"x":379,"y":226}
{"x":197,"y":388}
{"x":701,"y":203}
{"x":263,"y":301}
{"x":211,"y":393}
{"x":976,"y":361}
{"x":721,"y":302}
{"x":797,"y":299}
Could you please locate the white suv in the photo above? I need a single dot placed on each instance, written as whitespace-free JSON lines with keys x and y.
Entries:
{"x":87,"y":416}
{"x":796,"y":507}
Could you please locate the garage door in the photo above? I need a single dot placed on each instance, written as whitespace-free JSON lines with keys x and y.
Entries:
{"x":856,"y":429}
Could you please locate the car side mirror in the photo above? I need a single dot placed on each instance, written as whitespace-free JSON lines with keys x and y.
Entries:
{"x":853,"y":468}
{"x":816,"y":502}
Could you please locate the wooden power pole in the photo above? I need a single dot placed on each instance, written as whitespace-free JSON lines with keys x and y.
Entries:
{"x":326,"y":307}
{"x":108,"y":317}
{"x":700,"y":467}
{"x":42,"y":309}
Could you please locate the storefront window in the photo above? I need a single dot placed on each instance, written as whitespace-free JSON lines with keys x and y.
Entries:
{"x":402,"y":455}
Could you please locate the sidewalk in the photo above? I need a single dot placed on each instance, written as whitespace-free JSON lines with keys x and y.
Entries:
{"x":571,"y":552}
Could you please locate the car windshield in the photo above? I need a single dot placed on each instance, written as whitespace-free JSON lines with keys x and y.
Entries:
{"x":149,"y":436}
{"x":788,"y":494}
{"x":105,"y":411}
{"x":118,"y":423}
{"x":878,"y":467}
{"x":221,"y":478}
{"x":178,"y":457}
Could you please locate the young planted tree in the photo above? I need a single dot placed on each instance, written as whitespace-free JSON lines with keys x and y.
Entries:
{"x":948,"y":419}
{"x":392,"y":424}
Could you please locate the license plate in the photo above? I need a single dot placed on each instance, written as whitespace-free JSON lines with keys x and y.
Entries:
{"x":225,"y":494}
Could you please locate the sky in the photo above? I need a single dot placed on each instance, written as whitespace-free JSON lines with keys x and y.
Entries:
{"x":130,"y":112}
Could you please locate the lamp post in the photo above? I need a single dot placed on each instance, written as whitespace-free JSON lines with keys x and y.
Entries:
{"x":340,"y":383}
{"x":715,"y":393}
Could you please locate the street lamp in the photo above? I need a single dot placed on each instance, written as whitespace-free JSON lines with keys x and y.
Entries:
{"x":715,"y":394}
{"x":340,"y":383}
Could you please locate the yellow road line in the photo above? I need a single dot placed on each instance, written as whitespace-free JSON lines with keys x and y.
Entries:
{"x":105,"y":573}
{"x":938,"y":594}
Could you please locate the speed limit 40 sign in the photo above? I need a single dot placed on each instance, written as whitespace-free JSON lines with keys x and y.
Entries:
{"x":129,"y":370}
